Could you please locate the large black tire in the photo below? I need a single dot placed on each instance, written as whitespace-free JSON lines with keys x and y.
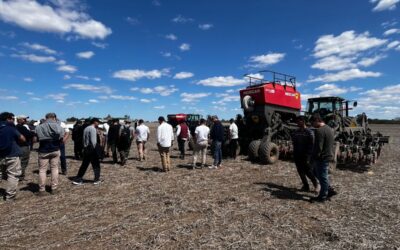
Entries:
{"x":254,"y":146}
{"x":269,"y":153}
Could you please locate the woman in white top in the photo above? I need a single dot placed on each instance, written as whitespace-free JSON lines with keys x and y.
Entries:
{"x":201,"y":138}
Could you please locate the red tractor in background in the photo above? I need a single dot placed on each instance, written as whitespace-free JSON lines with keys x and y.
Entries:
{"x":270,"y":108}
{"x":192,"y":120}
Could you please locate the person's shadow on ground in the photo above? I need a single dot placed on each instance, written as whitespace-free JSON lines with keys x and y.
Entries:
{"x":282,"y":192}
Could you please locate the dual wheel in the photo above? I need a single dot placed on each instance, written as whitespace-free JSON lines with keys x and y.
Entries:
{"x":266,"y":152}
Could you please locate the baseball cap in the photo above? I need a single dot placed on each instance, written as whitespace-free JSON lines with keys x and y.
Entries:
{"x":22,"y":117}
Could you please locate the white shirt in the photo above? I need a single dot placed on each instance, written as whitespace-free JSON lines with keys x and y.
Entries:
{"x":165,"y":135}
{"x":106,"y":128}
{"x":142,"y":133}
{"x":234,"y":131}
{"x":178,"y":132}
{"x":64,"y":126}
{"x":202,"y":133}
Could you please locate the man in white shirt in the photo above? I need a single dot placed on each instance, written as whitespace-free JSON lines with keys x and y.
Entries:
{"x":165,"y":137}
{"x":142,"y":136}
{"x":234,"y":137}
{"x":201,"y":138}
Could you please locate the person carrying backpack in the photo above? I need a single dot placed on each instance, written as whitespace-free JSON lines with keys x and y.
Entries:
{"x":126,"y":134}
{"x":10,"y":163}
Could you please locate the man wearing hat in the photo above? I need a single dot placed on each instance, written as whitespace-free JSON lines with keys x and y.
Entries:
{"x":91,"y":153}
{"x":24,"y":146}
{"x":126,"y":134}
{"x":50,"y":136}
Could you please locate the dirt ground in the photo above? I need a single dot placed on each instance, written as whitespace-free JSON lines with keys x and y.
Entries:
{"x":240,"y":206}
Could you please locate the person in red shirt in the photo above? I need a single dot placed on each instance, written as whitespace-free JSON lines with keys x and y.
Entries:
{"x":183,"y":134}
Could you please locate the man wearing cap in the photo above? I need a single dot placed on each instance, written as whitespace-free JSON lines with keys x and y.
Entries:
{"x":10,"y":163}
{"x":91,"y":153}
{"x":50,"y":136}
{"x":217,"y":136}
{"x":126,"y":135}
{"x":165,"y":137}
{"x":303,"y":143}
{"x":24,"y":146}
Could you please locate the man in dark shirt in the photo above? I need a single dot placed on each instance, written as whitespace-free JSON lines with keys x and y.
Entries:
{"x":113,"y":138}
{"x":303,"y":143}
{"x":10,"y":163}
{"x":217,"y":136}
{"x":322,"y":155}
{"x":77,"y":137}
{"x":24,"y":146}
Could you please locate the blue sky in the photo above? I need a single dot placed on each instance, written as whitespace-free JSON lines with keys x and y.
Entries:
{"x":155,"y":57}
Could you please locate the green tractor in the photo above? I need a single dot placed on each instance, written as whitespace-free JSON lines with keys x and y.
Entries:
{"x":354,"y":140}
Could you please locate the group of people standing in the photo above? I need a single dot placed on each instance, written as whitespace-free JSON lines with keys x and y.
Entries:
{"x":312,"y":148}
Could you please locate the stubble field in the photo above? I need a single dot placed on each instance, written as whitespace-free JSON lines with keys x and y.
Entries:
{"x":240,"y":206}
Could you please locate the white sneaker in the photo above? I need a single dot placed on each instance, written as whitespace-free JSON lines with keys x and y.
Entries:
{"x":212,"y":167}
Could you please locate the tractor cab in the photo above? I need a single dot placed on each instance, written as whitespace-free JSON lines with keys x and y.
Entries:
{"x":326,"y":106}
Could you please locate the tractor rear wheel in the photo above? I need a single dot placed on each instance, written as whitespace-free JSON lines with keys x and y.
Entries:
{"x":347,"y":121}
{"x":253,"y":149}
{"x":269,"y":153}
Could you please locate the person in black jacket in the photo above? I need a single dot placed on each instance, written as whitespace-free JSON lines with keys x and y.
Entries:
{"x":113,"y":139}
{"x":77,"y":137}
{"x":24,"y":146}
{"x":303,"y":143}
{"x":217,"y":137}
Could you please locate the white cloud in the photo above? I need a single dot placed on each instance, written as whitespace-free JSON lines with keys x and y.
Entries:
{"x":382,"y":102}
{"x":93,"y":101}
{"x":166,"y":54}
{"x":144,"y":100}
{"x":183,"y":75}
{"x":28,"y":79}
{"x":132,"y":21}
{"x":62,"y":18}
{"x":184,"y":47}
{"x":266,"y":60}
{"x":67,"y":68}
{"x":8,"y":98}
{"x":88,"y":87}
{"x":160,"y":107}
{"x":60,"y":97}
{"x":384,"y":4}
{"x":182,"y":19}
{"x":344,"y":75}
{"x":391,"y":32}
{"x":366,"y":62}
{"x":225,"y":98}
{"x":393,"y":44}
{"x":354,"y":89}
{"x":85,"y":54}
{"x":160,"y":90}
{"x":61,"y":62}
{"x":36,"y":99}
{"x":156,"y":3}
{"x":35,"y":58}
{"x":206,"y":26}
{"x":136,"y":74}
{"x":100,"y":45}
{"x":122,"y":97}
{"x":30,"y":93}
{"x":193,"y":97}
{"x":171,"y":37}
{"x":330,"y":90}
{"x":39,"y":47}
{"x":221,"y":81}
{"x":334,"y":63}
{"x":67,"y":77}
{"x":346,"y":44}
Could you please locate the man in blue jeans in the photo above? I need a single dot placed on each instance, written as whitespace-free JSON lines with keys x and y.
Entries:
{"x":322,"y":155}
{"x":217,"y":136}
